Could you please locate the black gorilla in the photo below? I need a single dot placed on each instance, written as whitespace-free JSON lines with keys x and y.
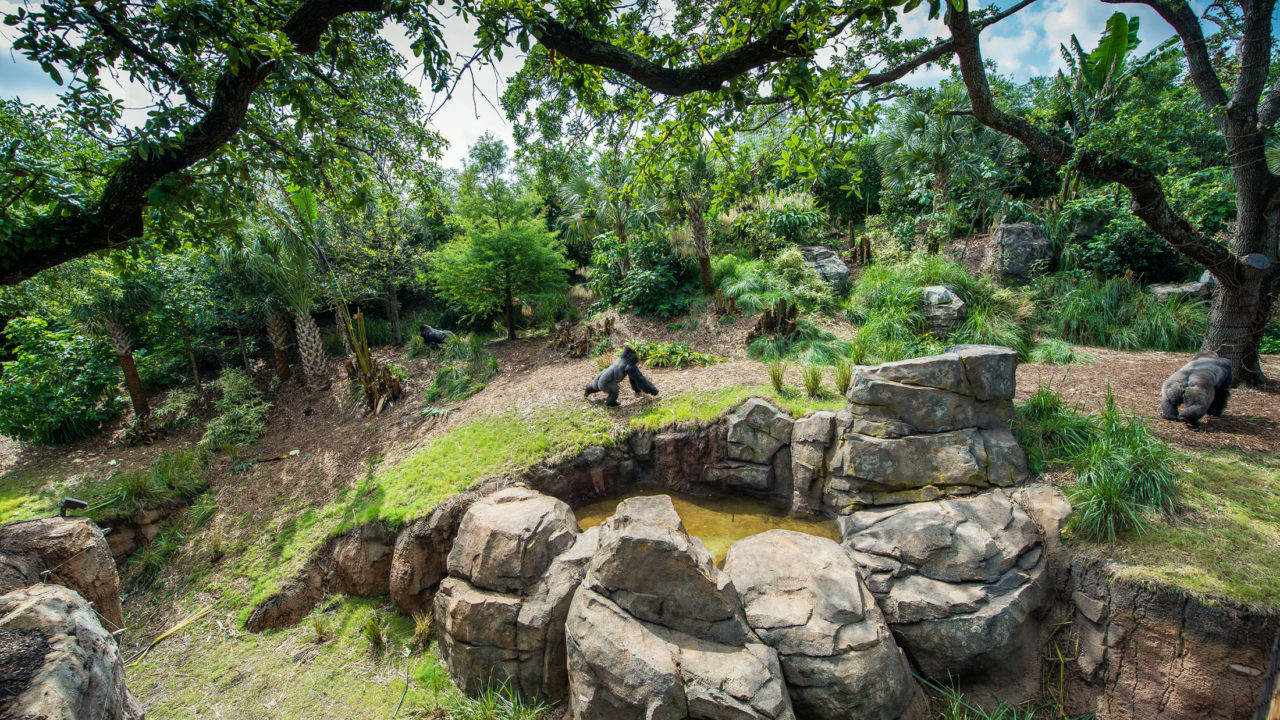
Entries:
{"x":432,"y":336}
{"x":607,"y":380}
{"x":1201,"y":386}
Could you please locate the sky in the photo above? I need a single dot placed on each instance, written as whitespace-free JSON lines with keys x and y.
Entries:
{"x":1023,"y":46}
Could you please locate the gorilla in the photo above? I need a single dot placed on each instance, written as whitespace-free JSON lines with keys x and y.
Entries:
{"x":432,"y":336}
{"x":1201,"y":386}
{"x":607,"y":380}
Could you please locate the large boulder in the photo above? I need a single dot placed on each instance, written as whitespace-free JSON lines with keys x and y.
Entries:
{"x":421,"y":556}
{"x":958,"y":579}
{"x":913,"y":430}
{"x":1021,"y":251}
{"x":757,"y":430}
{"x":67,"y":551}
{"x":1194,"y":290}
{"x":942,"y":308}
{"x":656,"y":631}
{"x":827,"y":263}
{"x":805,"y":598}
{"x":60,"y":663}
{"x":516,"y":562}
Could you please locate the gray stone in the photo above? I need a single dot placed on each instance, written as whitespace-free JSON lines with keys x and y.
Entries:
{"x":757,"y":429}
{"x":82,"y":675}
{"x":942,"y":308}
{"x":806,"y":599}
{"x":506,"y":540}
{"x":884,"y":408}
{"x":1195,"y":290}
{"x":992,"y":370}
{"x":656,"y":631}
{"x":740,"y":476}
{"x":827,"y":264}
{"x":67,"y":551}
{"x":1022,"y":251}
{"x":957,"y":578}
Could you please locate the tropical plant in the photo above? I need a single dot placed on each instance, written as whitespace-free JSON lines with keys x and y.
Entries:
{"x":287,"y":264}
{"x":242,"y":412}
{"x":110,"y":312}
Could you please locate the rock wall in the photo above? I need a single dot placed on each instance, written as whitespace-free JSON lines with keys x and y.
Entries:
{"x":70,"y":666}
{"x":127,"y":533}
{"x":66,"y":551}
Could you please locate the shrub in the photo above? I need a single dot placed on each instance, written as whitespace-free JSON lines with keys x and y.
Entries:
{"x":672,"y":354}
{"x":333,"y":346}
{"x":60,"y":386}
{"x":756,"y":284}
{"x":658,"y":282}
{"x":469,"y":366}
{"x":1270,"y":339}
{"x":1120,"y":313}
{"x":765,"y":223}
{"x":378,"y":331}
{"x":808,"y":344}
{"x":175,"y":411}
{"x":242,"y":412}
{"x":1125,"y":245}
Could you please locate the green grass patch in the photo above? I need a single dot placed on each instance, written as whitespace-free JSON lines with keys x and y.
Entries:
{"x":1120,"y":313}
{"x":1220,"y":543}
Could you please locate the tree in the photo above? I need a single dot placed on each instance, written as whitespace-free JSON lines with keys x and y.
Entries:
{"x":494,"y":267}
{"x":1244,"y":110}
{"x":287,"y":264}
{"x":693,"y":189}
{"x":110,"y":312}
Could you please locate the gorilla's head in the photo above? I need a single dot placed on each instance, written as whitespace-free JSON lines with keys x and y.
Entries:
{"x":630,"y":357}
{"x":1194,"y":400}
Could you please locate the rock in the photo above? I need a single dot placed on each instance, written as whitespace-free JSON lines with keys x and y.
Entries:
{"x":1195,"y":290}
{"x":757,"y":429}
{"x":942,"y":309}
{"x":805,"y":598}
{"x":656,"y":631}
{"x":992,"y":370}
{"x":80,"y":674}
{"x":958,"y":579}
{"x":884,"y":408}
{"x":1021,"y":252}
{"x":420,"y":559}
{"x":506,"y":541}
{"x":516,"y":562}
{"x":74,"y":552}
{"x":1208,"y":279}
{"x":809,"y":468}
{"x":827,"y":263}
{"x":362,"y":562}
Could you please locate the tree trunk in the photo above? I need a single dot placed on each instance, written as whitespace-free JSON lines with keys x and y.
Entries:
{"x":702,"y":247}
{"x":510,"y":315}
{"x":940,"y":180}
{"x":393,"y":313}
{"x":240,"y":343}
{"x":311,"y":349}
{"x":133,"y":383}
{"x":278,"y":336}
{"x":191,"y":352}
{"x":1236,"y":323}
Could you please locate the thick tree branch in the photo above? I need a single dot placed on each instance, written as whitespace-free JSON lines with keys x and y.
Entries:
{"x":1255,"y":54}
{"x":117,"y":218}
{"x":776,"y":45}
{"x":1149,"y":202}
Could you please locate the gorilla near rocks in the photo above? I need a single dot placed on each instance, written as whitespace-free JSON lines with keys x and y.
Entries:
{"x":608,"y":379}
{"x":432,"y":336}
{"x":1201,"y":387}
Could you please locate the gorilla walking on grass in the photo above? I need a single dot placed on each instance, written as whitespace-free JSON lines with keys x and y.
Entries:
{"x":608,"y":379}
{"x":1201,"y":387}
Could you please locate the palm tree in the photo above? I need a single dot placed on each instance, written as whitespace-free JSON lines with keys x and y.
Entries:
{"x":110,"y":311}
{"x":692,"y":189}
{"x":602,"y":200}
{"x":288,"y":266}
{"x":924,"y":146}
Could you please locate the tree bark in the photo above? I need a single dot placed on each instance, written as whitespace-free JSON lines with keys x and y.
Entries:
{"x":278,"y":336}
{"x":311,"y":349}
{"x":393,"y":313}
{"x":133,"y":383}
{"x":701,"y":245}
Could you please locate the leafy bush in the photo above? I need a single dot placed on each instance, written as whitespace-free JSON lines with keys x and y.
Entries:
{"x":175,"y":412}
{"x":333,"y":346}
{"x":672,"y":354}
{"x":416,"y":347}
{"x":377,"y":331}
{"x":1270,"y":339}
{"x":658,"y":282}
{"x":1119,"y":313}
{"x":764,"y":224}
{"x":60,"y":387}
{"x":756,"y":284}
{"x":469,"y":366}
{"x":242,"y":413}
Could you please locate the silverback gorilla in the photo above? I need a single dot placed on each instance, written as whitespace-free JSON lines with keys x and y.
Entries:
{"x":607,"y":380}
{"x":1201,"y":387}
{"x":432,"y":336}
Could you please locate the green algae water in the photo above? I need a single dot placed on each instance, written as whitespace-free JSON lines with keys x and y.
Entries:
{"x":717,"y":521}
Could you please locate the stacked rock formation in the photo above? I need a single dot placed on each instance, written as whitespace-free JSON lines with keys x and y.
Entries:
{"x":515,"y":564}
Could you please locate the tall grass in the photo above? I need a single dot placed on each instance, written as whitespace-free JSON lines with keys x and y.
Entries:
{"x":885,"y":305}
{"x":809,"y":344}
{"x":1118,"y":312}
{"x":1122,"y":469}
{"x":467,"y":367}
{"x":811,"y":377}
{"x":777,"y":375}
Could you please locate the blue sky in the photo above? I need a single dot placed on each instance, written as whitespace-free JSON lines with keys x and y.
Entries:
{"x":1023,"y":46}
